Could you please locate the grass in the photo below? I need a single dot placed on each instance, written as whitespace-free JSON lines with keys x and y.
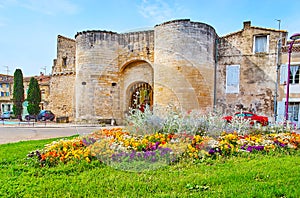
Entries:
{"x":256,"y":175}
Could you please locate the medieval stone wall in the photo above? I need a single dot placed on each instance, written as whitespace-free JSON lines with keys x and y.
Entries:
{"x":103,"y":59}
{"x":184,"y":64}
{"x":62,"y":80}
{"x":62,"y":95}
{"x":177,"y":59}
{"x":136,"y":57}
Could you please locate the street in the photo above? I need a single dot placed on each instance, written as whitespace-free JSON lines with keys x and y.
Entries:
{"x":16,"y":134}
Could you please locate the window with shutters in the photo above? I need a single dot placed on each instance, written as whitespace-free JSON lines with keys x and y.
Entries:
{"x":232,"y":78}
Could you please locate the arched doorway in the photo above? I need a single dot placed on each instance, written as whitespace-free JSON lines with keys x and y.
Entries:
{"x":141,"y":93}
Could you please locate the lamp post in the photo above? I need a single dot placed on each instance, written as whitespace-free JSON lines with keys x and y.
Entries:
{"x":294,"y":37}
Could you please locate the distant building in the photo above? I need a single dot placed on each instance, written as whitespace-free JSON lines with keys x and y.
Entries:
{"x":6,"y":89}
{"x":43,"y":81}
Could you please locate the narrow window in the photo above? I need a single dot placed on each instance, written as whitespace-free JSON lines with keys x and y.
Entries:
{"x":232,"y":78}
{"x":64,"y":61}
{"x":261,"y":43}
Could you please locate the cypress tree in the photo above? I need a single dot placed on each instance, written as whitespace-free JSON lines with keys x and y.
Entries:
{"x":33,"y":97}
{"x":18,"y":93}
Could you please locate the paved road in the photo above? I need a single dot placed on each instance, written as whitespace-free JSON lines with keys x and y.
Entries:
{"x":9,"y":134}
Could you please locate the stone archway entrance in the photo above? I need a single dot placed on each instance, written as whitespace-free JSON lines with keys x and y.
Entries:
{"x":141,"y":93}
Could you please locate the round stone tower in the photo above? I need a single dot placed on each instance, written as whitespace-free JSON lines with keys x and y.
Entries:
{"x":184,"y":63}
{"x":96,"y":75}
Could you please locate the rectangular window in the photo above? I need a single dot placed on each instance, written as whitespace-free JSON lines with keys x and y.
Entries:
{"x":293,"y":111}
{"x":232,"y":78}
{"x":6,"y":93}
{"x":7,"y":85}
{"x":2,"y":93}
{"x":261,"y":43}
{"x":294,"y":74}
{"x":0,"y":85}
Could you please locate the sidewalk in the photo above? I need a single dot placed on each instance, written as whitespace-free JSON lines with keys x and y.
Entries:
{"x":47,"y":124}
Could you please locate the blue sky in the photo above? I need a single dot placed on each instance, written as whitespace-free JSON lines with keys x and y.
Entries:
{"x":29,"y":28}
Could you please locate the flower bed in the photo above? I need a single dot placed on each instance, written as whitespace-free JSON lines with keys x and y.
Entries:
{"x":123,"y":150}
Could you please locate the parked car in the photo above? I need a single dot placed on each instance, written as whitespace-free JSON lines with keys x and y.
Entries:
{"x":43,"y":115}
{"x":31,"y":117}
{"x":255,"y":119}
{"x":46,"y":115}
{"x":7,"y":115}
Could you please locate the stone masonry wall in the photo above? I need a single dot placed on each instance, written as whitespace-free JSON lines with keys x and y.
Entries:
{"x":257,"y":71}
{"x":62,"y":95}
{"x":177,"y":59}
{"x":102,"y":58}
{"x":62,"y":80}
{"x":135,"y":60}
{"x":184,"y":64}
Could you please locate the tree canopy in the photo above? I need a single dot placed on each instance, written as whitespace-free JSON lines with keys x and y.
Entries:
{"x":33,"y":97}
{"x":18,"y":93}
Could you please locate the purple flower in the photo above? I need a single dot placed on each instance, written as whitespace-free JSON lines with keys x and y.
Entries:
{"x":279,"y":143}
{"x":139,"y":155}
{"x":147,"y":154}
{"x":164,"y":151}
{"x":243,"y":147}
{"x":132,"y":155}
{"x":282,"y":144}
{"x":156,"y":144}
{"x":88,"y":141}
{"x":257,"y":148}
{"x":211,"y":151}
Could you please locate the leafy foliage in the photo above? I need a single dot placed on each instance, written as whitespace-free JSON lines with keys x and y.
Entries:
{"x":33,"y":97}
{"x":18,"y":93}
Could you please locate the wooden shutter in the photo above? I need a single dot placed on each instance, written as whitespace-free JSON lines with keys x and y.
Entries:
{"x":283,"y":73}
{"x":232,"y":78}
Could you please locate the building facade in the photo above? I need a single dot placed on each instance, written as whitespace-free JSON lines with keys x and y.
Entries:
{"x":99,"y":75}
{"x":6,"y":89}
{"x":44,"y":84}
{"x":294,"y":86}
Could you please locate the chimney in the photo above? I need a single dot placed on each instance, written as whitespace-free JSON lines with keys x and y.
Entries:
{"x":247,"y":24}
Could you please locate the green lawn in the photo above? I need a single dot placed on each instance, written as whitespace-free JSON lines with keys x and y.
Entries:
{"x":254,"y":176}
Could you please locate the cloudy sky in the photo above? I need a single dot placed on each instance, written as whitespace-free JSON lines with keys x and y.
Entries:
{"x":29,"y":28}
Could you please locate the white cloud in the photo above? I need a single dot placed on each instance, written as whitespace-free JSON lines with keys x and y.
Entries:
{"x":159,"y":10}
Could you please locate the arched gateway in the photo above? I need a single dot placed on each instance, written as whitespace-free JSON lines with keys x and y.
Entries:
{"x":141,"y":94}
{"x":138,"y":84}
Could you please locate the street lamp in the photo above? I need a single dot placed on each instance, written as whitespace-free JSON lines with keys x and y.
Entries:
{"x":294,"y":37}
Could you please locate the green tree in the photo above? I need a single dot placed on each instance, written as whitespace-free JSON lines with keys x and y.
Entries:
{"x":18,"y":93}
{"x":33,"y":97}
